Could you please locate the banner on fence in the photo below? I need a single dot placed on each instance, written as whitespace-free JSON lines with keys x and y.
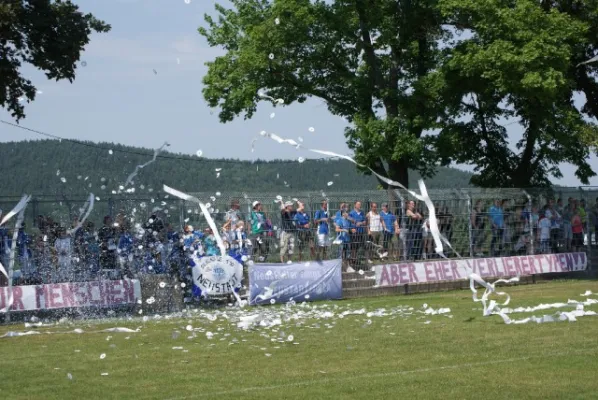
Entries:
{"x":299,"y":282}
{"x":500,"y":267}
{"x":71,"y":295}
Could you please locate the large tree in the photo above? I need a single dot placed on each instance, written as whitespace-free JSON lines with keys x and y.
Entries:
{"x":370,"y":62}
{"x":422,"y":82}
{"x":518,"y":61}
{"x":50,"y":35}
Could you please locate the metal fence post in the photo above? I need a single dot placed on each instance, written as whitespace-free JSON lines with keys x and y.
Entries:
{"x":531,"y":222}
{"x":469,"y":225}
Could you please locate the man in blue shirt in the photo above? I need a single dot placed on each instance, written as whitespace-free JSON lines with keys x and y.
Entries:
{"x":495,"y":213}
{"x":391,"y":229}
{"x":321,"y":218}
{"x":343,"y":228}
{"x":304,"y":235}
{"x":358,"y":237}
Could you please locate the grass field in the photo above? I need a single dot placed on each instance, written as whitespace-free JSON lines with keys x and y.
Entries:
{"x":395,"y":356}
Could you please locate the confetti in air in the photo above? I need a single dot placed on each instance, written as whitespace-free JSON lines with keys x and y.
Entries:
{"x":110,"y":152}
{"x":138,"y":167}
{"x":199,"y":153}
{"x":83,"y":64}
{"x":301,"y":159}
{"x":330,"y":183}
{"x":272,"y":115}
{"x":312,"y":129}
{"x":271,"y":56}
{"x":277,"y":21}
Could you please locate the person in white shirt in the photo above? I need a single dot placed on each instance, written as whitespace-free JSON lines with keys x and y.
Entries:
{"x":63,"y":248}
{"x":375,"y":228}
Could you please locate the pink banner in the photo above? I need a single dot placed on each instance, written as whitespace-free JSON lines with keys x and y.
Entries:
{"x":454,"y":270}
{"x":72,"y":295}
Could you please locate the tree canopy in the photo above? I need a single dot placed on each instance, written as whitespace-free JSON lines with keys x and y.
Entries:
{"x":422,"y":83}
{"x":50,"y":35}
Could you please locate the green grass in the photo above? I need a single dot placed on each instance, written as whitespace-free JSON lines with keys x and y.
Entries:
{"x":466,"y":356}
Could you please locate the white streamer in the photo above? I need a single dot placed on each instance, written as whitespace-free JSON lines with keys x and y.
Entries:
{"x":87,"y":208}
{"x":20,"y":205}
{"x":591,"y":60}
{"x":206,"y":213}
{"x":138,"y":167}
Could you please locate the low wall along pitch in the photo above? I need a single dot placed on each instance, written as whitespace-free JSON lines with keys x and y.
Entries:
{"x":390,"y":275}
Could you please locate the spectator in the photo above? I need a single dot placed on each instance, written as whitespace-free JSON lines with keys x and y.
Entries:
{"x":258,"y":232}
{"x":478,"y":225}
{"x":231,"y":217}
{"x":240,"y":244}
{"x":287,"y":236}
{"x":343,"y":228}
{"x":304,"y":235}
{"x":567,"y":216}
{"x":24,"y":253}
{"x":391,"y":229}
{"x":496,"y":216}
{"x":4,"y":244}
{"x":107,"y":239}
{"x":413,"y":230}
{"x":125,"y":250}
{"x":210,"y":244}
{"x":555,"y":228}
{"x":577,"y":228}
{"x":322,"y":220}
{"x":544,"y":226}
{"x":64,"y":254}
{"x":374,"y":231}
{"x":358,"y":238}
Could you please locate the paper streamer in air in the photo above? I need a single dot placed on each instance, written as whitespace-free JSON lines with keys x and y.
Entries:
{"x":438,"y":239}
{"x":20,"y":206}
{"x":87,"y":208}
{"x":591,"y":60}
{"x":20,"y":211}
{"x":206,"y":213}
{"x":138,"y":167}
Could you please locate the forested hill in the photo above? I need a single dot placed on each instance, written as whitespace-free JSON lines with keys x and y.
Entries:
{"x":38,"y":167}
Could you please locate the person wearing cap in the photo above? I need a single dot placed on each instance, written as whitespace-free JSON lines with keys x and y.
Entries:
{"x":258,"y":230}
{"x":304,"y":233}
{"x":287,"y":236}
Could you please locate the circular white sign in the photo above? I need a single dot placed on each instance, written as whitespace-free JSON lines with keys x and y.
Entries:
{"x":217,"y":275}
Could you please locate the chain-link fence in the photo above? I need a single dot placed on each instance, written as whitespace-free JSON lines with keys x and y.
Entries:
{"x":389,"y":226}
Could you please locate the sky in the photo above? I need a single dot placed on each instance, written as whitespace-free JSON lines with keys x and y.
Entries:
{"x":117,"y":97}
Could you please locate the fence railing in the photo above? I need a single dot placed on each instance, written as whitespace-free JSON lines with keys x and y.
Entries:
{"x":463,"y":214}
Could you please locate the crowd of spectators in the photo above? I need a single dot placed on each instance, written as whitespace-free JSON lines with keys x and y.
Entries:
{"x":120,"y":247}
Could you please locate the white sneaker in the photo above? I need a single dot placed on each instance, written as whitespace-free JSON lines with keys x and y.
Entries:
{"x":349,"y":269}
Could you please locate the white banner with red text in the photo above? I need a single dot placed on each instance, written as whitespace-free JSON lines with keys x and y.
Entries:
{"x":500,"y":267}
{"x":72,"y":295}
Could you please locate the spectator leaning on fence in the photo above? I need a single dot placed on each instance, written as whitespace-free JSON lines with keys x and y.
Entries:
{"x":322,"y":220}
{"x":577,"y":228}
{"x":555,"y":225}
{"x":544,"y":225}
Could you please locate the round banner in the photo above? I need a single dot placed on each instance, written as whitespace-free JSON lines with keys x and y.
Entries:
{"x":217,"y":275}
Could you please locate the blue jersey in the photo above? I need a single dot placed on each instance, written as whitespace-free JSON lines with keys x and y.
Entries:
{"x":344,"y":224}
{"x":322,"y":226}
{"x":301,"y":219}
{"x":358,"y":216}
{"x":389,"y":221}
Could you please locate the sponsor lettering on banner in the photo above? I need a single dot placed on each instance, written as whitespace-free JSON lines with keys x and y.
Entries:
{"x":299,"y":282}
{"x":499,"y":267}
{"x":217,"y":275}
{"x":71,"y":295}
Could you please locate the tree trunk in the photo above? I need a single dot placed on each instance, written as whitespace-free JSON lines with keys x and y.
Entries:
{"x":399,"y":171}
